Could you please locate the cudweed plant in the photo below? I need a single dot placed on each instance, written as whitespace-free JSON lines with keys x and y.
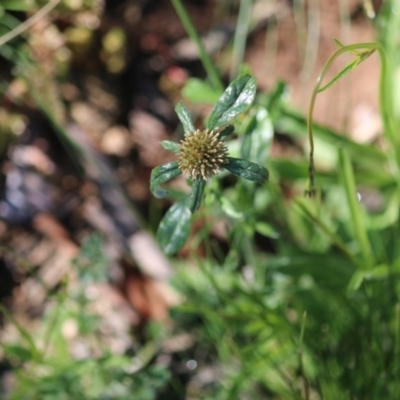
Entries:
{"x":202,"y":153}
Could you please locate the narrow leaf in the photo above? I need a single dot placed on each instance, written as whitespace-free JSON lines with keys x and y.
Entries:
{"x":18,"y":5}
{"x":229,"y":209}
{"x":266,"y":230}
{"x":356,"y":281}
{"x":174,"y":228}
{"x":196,"y":195}
{"x":226,"y":132}
{"x":185,"y":118}
{"x":162,"y":174}
{"x":357,"y":219}
{"x":19,"y":353}
{"x":258,"y":137}
{"x":247,"y":170}
{"x":237,"y":98}
{"x":170,"y":146}
{"x":339,"y":44}
{"x":361,"y":56}
{"x":341,"y":74}
{"x":25,"y":335}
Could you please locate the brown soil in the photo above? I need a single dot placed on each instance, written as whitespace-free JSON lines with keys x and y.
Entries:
{"x":352,"y":104}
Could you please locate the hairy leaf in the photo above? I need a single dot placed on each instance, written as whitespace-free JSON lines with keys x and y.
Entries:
{"x":185,"y":117}
{"x":170,"y":146}
{"x":226,"y":132}
{"x":196,"y":195}
{"x":247,"y":170}
{"x":162,"y":174}
{"x":237,"y":98}
{"x":174,"y":228}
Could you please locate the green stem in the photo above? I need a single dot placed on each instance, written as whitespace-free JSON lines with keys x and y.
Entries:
{"x":384,"y":102}
{"x":360,"y":232}
{"x":25,"y":335}
{"x":241,"y":32}
{"x":397,"y":339}
{"x":306,"y":385}
{"x":335,"y":239}
{"x":191,"y":31}
{"x":61,"y":298}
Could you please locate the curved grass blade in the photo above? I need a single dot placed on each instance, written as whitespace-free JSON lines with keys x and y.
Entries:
{"x":358,"y":223}
{"x":247,"y":170}
{"x":174,"y":228}
{"x":162,"y":174}
{"x":361,"y":56}
{"x":24,"y":333}
{"x":237,"y":98}
{"x":341,"y":74}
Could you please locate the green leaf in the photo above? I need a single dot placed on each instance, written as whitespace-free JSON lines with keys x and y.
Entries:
{"x":266,"y":230}
{"x":357,"y":219}
{"x":198,"y":91}
{"x":25,"y":335}
{"x":349,"y":67}
{"x":247,"y":170}
{"x":341,"y":45}
{"x":380,"y":272}
{"x":162,"y":174}
{"x":229,"y":209}
{"x":361,"y":56}
{"x":356,"y":281}
{"x":196,"y":195}
{"x":170,"y":146}
{"x":18,"y":5}
{"x":16,"y":352}
{"x":226,"y":132}
{"x":258,"y":137}
{"x":237,"y":98}
{"x":174,"y":228}
{"x":185,"y":118}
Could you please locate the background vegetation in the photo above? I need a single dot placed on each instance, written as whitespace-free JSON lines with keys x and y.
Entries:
{"x":276,"y":295}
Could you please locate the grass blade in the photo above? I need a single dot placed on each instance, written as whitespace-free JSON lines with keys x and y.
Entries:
{"x":241,"y":32}
{"x":24,"y":334}
{"x":357,"y":221}
{"x":191,"y":31}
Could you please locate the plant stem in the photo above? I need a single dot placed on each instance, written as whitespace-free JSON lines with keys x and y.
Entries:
{"x":359,"y":229}
{"x":397,"y":341}
{"x":306,"y":385}
{"x":384,"y":102}
{"x":241,"y":32}
{"x":335,"y":239}
{"x":24,"y":333}
{"x":29,"y":22}
{"x":191,"y":31}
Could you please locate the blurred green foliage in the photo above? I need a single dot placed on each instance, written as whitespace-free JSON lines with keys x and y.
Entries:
{"x":313,"y":310}
{"x":46,"y":369}
{"x":302,"y":302}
